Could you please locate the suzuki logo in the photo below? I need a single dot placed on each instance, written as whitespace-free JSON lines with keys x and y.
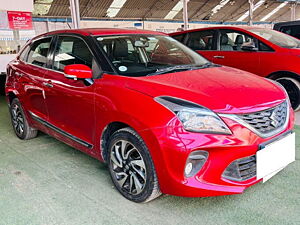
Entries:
{"x":274,"y":121}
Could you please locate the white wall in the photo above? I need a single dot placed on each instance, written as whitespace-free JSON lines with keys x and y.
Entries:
{"x":167,"y":27}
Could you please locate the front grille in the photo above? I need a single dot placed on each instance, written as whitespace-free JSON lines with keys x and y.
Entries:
{"x":268,"y":121}
{"x":241,"y":169}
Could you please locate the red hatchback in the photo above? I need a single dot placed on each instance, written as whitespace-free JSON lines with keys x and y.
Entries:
{"x":264,"y":52}
{"x":163,"y":118}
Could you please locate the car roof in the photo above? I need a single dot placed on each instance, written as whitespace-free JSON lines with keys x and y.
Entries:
{"x":248,"y":28}
{"x":102,"y":31}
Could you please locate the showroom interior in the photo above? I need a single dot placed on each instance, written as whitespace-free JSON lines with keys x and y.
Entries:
{"x":149,"y":112}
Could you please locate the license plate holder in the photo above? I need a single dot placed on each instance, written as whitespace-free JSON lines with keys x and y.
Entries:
{"x":273,"y":157}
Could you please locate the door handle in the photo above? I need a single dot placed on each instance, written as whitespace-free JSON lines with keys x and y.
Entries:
{"x":48,"y":84}
{"x":19,"y":74}
{"x":219,"y":57}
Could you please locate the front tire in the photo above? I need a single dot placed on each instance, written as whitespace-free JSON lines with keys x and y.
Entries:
{"x":19,"y":121}
{"x":292,"y":87}
{"x":131,"y":167}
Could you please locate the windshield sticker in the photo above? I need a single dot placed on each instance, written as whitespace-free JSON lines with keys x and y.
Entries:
{"x":122,"y":68}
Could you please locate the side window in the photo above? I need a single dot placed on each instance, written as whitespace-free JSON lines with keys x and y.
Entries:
{"x":231,"y":40}
{"x":291,"y":30}
{"x":264,"y":48}
{"x":201,"y":40}
{"x":71,"y":50}
{"x":39,"y":51}
{"x":179,"y":37}
{"x":23,"y":55}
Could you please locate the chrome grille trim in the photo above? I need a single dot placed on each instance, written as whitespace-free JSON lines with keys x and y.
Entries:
{"x":239,"y":118}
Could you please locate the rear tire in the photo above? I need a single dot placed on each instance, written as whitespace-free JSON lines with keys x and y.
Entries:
{"x":131,"y":167}
{"x":19,"y":121}
{"x":292,"y":87}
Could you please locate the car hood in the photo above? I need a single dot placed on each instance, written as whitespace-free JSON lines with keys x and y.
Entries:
{"x":221,"y":89}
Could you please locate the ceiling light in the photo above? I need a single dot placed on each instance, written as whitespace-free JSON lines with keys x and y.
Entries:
{"x":256,"y":6}
{"x":274,"y":11}
{"x":219,"y":6}
{"x":115,"y":7}
{"x":176,"y":9}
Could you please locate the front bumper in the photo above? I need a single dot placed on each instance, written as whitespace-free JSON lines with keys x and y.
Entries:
{"x":170,"y":147}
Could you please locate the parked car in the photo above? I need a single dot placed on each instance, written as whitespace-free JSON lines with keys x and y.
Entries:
{"x":162,"y":117}
{"x":291,"y":28}
{"x":264,"y":52}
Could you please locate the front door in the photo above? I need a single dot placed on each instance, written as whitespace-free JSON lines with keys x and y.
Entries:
{"x":70,"y":102}
{"x":204,"y":42}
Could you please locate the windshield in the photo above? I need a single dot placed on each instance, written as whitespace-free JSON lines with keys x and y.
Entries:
{"x":277,"y":38}
{"x":142,"y":55}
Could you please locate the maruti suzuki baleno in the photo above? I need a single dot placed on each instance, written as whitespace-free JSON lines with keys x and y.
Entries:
{"x":162,"y":117}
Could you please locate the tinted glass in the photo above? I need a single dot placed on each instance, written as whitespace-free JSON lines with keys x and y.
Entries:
{"x":291,"y":30}
{"x":179,"y":37}
{"x":140,"y":55}
{"x":71,"y":50}
{"x":264,"y":48}
{"x":201,"y":40}
{"x":277,"y":38}
{"x":23,"y":55}
{"x":38,"y":52}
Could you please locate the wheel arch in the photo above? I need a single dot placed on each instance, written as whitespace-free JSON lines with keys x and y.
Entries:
{"x":283,"y":73}
{"x":11,"y":95}
{"x":106,"y":133}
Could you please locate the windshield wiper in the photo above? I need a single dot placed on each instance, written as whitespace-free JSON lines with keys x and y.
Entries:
{"x":181,"y":68}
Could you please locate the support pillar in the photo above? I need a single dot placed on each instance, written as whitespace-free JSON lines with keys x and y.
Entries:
{"x":293,"y":11}
{"x":251,"y":5}
{"x":185,"y":15}
{"x":75,"y":13}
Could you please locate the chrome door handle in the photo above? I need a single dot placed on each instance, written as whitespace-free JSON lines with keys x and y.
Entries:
{"x":19,"y":74}
{"x":47,"y":84}
{"x":219,"y":57}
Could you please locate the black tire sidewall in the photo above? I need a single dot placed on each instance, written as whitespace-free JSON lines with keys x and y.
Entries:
{"x":26,"y":127}
{"x":284,"y":82}
{"x":143,"y":150}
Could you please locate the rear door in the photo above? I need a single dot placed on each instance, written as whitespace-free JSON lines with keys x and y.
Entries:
{"x":230,"y":51}
{"x":32,"y":67}
{"x":71,"y":102}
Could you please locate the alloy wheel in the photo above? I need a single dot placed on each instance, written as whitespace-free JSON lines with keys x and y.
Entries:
{"x":18,"y":120}
{"x":128,"y":167}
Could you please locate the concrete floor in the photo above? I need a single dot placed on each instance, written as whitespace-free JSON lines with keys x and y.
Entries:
{"x":43,"y":181}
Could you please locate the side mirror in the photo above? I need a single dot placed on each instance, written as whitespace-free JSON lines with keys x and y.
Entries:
{"x":249,"y":47}
{"x":78,"y":71}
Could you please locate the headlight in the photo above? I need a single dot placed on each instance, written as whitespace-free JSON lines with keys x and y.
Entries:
{"x":194,"y":117}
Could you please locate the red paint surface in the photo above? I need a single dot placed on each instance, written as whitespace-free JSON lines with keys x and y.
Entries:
{"x":264,"y":64}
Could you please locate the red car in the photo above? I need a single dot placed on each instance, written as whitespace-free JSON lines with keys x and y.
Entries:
{"x":162,"y":117}
{"x":264,"y":52}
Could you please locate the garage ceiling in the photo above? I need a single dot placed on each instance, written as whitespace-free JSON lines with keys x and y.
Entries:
{"x":199,"y":10}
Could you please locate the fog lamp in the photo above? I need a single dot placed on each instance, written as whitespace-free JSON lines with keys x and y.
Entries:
{"x":195,"y":162}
